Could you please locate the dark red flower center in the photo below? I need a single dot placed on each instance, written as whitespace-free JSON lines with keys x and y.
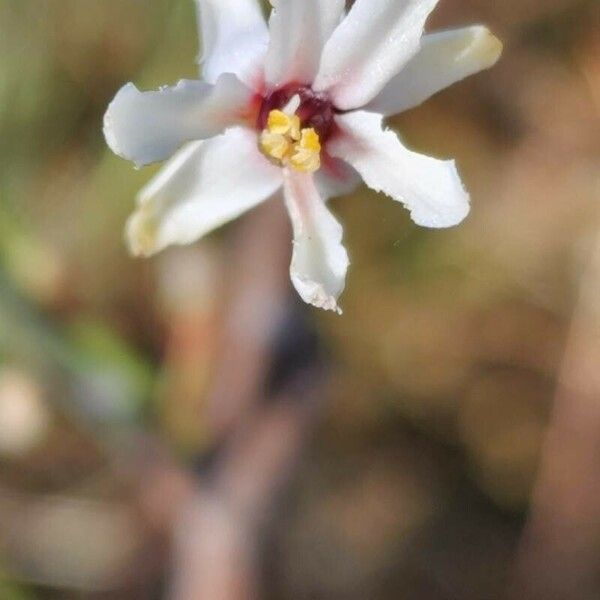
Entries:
{"x":315,"y":110}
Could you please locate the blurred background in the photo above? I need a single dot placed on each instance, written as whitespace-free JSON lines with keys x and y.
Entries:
{"x":183,"y":427}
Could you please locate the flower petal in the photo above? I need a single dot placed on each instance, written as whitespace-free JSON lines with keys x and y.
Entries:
{"x":202,"y":187}
{"x":319,"y":260}
{"x":234,"y":38}
{"x":444,"y":58}
{"x":335,"y":178}
{"x":147,"y":127}
{"x":299,"y":30}
{"x":431,"y":189}
{"x":369,"y":47}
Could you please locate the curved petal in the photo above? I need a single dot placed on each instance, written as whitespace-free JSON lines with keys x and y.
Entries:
{"x":444,"y":58}
{"x":299,"y":30}
{"x":234,"y":39}
{"x":335,"y":178}
{"x":431,"y":189}
{"x":319,"y":260}
{"x":204,"y":186}
{"x":369,"y":47}
{"x":147,"y":127}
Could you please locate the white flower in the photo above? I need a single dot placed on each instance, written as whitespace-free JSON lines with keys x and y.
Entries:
{"x":295,"y":105}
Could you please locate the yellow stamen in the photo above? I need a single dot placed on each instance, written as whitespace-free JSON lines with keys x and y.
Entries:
{"x":274,"y":145}
{"x":283,"y":124}
{"x":307,"y":152}
{"x":286,"y":143}
{"x":310,"y":140}
{"x":278,"y":122}
{"x":295,"y":128}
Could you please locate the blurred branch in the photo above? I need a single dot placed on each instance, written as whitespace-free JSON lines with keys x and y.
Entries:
{"x":258,"y":293}
{"x":218,"y":533}
{"x":559,"y":552}
{"x":558,"y":557}
{"x":259,"y":432}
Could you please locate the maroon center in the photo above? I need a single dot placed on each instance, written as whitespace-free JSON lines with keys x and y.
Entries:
{"x":315,"y":109}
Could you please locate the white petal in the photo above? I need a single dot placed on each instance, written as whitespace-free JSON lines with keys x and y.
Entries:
{"x":234,"y":39}
{"x":319,"y":260}
{"x":431,"y":189}
{"x":369,"y":47}
{"x":147,"y":127}
{"x":299,"y":30}
{"x":335,"y":178}
{"x":445,"y":58}
{"x":204,"y":186}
